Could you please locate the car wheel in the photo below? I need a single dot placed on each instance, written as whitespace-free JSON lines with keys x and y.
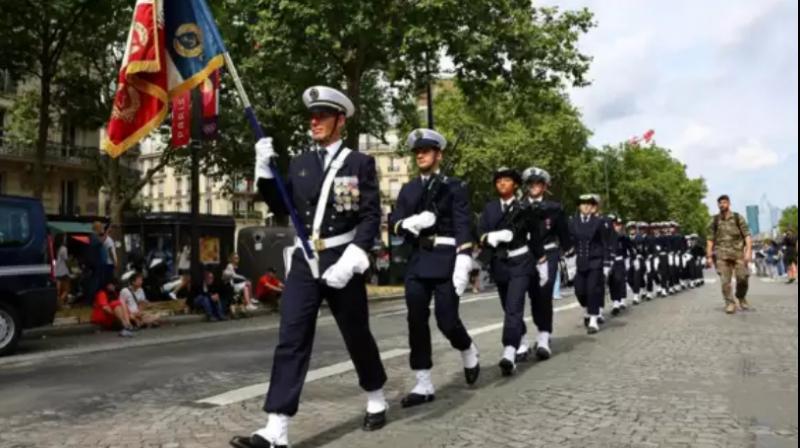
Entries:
{"x":10,"y":329}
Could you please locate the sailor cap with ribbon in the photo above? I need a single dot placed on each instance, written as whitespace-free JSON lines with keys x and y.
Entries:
{"x":327,"y":98}
{"x":534,"y":174}
{"x":426,"y":138}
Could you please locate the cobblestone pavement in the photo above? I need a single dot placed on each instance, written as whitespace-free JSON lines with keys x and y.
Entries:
{"x":675,"y":372}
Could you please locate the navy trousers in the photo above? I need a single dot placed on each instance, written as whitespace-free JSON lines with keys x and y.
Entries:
{"x":512,"y":300}
{"x":590,"y":290}
{"x":419,"y":293}
{"x":541,"y":297}
{"x":616,"y":281}
{"x":302,"y":298}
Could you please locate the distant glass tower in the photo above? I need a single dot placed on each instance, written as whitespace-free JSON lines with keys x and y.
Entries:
{"x":753,"y":219}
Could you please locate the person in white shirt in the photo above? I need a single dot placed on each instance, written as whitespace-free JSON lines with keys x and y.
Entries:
{"x":241,"y":285}
{"x":133,"y":297}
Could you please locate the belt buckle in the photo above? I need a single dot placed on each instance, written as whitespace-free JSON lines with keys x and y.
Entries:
{"x":319,"y":244}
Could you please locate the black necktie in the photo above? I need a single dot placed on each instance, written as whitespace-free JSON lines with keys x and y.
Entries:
{"x":322,"y":154}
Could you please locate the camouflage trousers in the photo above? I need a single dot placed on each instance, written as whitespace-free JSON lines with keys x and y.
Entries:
{"x":728,"y":269}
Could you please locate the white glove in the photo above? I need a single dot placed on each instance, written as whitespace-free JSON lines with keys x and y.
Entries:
{"x":607,"y":271}
{"x":637,"y":265}
{"x":544,"y":273}
{"x":499,"y":236}
{"x":353,"y":261}
{"x":461,"y":273}
{"x":264,"y":155}
{"x":627,"y":264}
{"x":417,"y":223}
{"x":656,"y":263}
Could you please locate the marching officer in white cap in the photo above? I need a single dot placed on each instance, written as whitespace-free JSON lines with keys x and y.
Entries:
{"x":434,"y":215}
{"x":552,"y":223}
{"x":335,"y":192}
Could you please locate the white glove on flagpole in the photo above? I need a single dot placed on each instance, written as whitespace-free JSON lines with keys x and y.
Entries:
{"x":264,"y":155}
{"x":544,"y":273}
{"x":461,"y":273}
{"x":353,"y":261}
{"x":417,"y":223}
{"x":499,"y":236}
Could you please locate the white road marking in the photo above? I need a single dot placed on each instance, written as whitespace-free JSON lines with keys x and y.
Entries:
{"x":258,"y":390}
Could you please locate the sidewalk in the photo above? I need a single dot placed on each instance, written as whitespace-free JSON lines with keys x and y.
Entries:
{"x":75,"y":321}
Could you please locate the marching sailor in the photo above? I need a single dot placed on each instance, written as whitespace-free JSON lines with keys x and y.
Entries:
{"x":434,"y":215}
{"x":552,"y":225}
{"x":505,"y":228}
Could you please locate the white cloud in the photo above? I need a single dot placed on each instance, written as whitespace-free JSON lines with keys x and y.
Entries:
{"x":717,"y":80}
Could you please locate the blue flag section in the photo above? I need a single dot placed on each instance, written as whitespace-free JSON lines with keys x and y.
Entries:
{"x":193,"y":42}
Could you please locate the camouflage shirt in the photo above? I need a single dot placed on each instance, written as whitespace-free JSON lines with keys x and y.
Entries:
{"x":729,"y":236}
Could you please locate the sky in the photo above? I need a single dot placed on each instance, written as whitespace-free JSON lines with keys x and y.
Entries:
{"x":716,"y":79}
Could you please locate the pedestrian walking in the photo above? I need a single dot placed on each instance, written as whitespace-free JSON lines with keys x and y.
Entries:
{"x":731,"y":249}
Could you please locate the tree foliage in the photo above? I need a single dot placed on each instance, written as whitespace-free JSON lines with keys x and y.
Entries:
{"x":788,"y":221}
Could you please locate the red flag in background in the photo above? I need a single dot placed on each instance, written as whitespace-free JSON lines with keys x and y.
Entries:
{"x":140,"y":103}
{"x":210,"y":92}
{"x":182,"y":119}
{"x":648,"y":136}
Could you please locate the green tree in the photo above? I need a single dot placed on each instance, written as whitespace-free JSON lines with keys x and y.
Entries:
{"x":380,"y":52}
{"x":649,"y":184}
{"x":789,"y":220}
{"x":38,"y":36}
{"x":503,"y":130}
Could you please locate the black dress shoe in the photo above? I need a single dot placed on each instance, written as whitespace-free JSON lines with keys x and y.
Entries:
{"x":593,"y":330}
{"x":471,"y":375}
{"x":412,"y":399}
{"x":374,"y":422}
{"x":601,"y":320}
{"x":586,"y":322}
{"x":507,"y":367}
{"x":254,"y":441}
{"x":615,"y":312}
{"x":523,"y":356}
{"x":542,"y":353}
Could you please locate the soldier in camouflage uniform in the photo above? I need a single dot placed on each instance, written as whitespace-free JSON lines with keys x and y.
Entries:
{"x":732,"y":249}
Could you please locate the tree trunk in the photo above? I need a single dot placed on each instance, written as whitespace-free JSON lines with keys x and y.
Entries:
{"x":39,"y":178}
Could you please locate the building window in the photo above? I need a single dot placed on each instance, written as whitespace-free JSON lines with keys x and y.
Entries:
{"x":161,"y":189}
{"x":395,"y":165}
{"x":209,"y":206}
{"x":69,"y":197}
{"x":179,"y":187}
{"x":394,"y":188}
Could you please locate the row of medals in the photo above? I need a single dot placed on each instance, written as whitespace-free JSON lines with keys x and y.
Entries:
{"x":346,"y":197}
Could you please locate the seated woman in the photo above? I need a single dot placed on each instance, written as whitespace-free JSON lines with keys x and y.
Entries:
{"x":109,"y":312}
{"x":241,"y":286}
{"x":136,"y":302}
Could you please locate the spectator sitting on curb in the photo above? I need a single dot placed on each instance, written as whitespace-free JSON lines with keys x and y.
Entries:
{"x":109,"y":312}
{"x":269,"y":288}
{"x":209,"y":298}
{"x":239,"y":282}
{"x":135,"y":300}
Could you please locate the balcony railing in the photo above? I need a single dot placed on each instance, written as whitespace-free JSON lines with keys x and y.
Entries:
{"x":56,"y":153}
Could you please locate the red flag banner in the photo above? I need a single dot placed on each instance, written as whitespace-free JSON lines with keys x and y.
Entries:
{"x":140,"y":103}
{"x":210,"y":92}
{"x":181,"y":119}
